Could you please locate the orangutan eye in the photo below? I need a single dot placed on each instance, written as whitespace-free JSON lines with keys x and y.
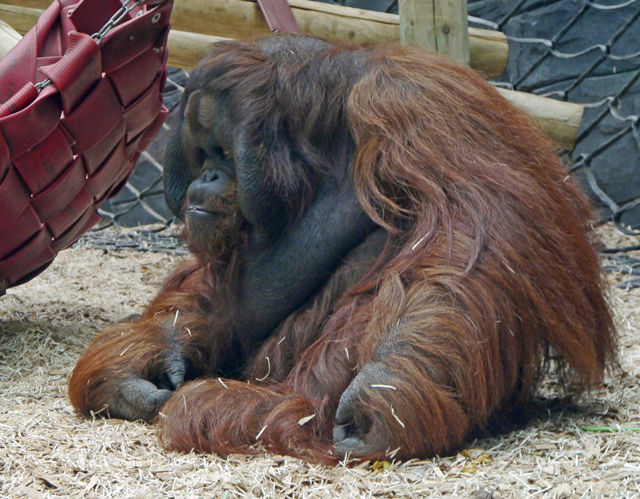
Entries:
{"x":219,"y":153}
{"x":215,"y":153}
{"x":201,"y":156}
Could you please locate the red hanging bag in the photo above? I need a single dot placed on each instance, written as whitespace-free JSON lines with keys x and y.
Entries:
{"x":81,"y":98}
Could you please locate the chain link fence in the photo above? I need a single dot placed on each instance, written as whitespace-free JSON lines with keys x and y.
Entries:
{"x":141,"y":203}
{"x":586,"y":52}
{"x":580,"y":51}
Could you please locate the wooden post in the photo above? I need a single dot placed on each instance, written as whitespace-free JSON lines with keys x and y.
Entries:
{"x":437,"y":25}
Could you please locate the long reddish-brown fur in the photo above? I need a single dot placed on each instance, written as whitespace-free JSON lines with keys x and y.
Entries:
{"x":488,"y":273}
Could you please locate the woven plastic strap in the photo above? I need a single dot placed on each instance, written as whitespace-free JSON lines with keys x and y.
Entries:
{"x":279,"y":16}
{"x":66,"y":149}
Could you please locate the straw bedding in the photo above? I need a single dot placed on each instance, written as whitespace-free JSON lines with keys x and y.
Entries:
{"x":48,"y":451}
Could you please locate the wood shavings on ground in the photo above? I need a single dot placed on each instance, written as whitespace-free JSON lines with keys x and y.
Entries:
{"x":48,"y":451}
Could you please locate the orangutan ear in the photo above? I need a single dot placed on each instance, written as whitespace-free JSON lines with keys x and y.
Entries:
{"x":200,"y":111}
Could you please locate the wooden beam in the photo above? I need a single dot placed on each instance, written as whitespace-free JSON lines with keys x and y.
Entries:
{"x":30,"y":4}
{"x":242,"y":19}
{"x":437,"y":25}
{"x":21,"y":19}
{"x":186,"y":49}
{"x":9,"y":37}
{"x":488,"y":50}
{"x":560,"y":119}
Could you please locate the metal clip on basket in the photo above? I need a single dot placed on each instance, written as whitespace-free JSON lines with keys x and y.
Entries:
{"x":82,"y":98}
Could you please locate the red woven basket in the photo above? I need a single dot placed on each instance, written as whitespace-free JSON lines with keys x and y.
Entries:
{"x":70,"y":145}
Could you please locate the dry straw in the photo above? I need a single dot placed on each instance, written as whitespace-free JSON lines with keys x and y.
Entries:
{"x":47,"y":451}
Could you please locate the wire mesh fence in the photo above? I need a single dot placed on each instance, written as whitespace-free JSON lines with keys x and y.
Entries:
{"x":586,"y":52}
{"x":580,"y":51}
{"x":141,"y":203}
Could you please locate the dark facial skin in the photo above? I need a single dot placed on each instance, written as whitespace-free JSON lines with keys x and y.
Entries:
{"x":200,"y":166}
{"x":213,"y":162}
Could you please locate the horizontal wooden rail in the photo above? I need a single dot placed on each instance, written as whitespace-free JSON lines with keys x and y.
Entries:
{"x":561,"y":120}
{"x":8,"y":38}
{"x":242,"y":19}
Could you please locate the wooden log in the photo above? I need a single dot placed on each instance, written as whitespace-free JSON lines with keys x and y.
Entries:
{"x":243,"y":19}
{"x":239,"y":19}
{"x":186,"y":49}
{"x":437,"y":25}
{"x":560,"y":119}
{"x":30,"y":4}
{"x":8,"y":38}
{"x":21,"y":19}
{"x":486,"y":49}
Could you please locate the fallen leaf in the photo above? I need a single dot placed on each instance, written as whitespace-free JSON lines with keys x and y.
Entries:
{"x":469,"y":469}
{"x":381,"y":466}
{"x":483,"y":459}
{"x":610,"y":429}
